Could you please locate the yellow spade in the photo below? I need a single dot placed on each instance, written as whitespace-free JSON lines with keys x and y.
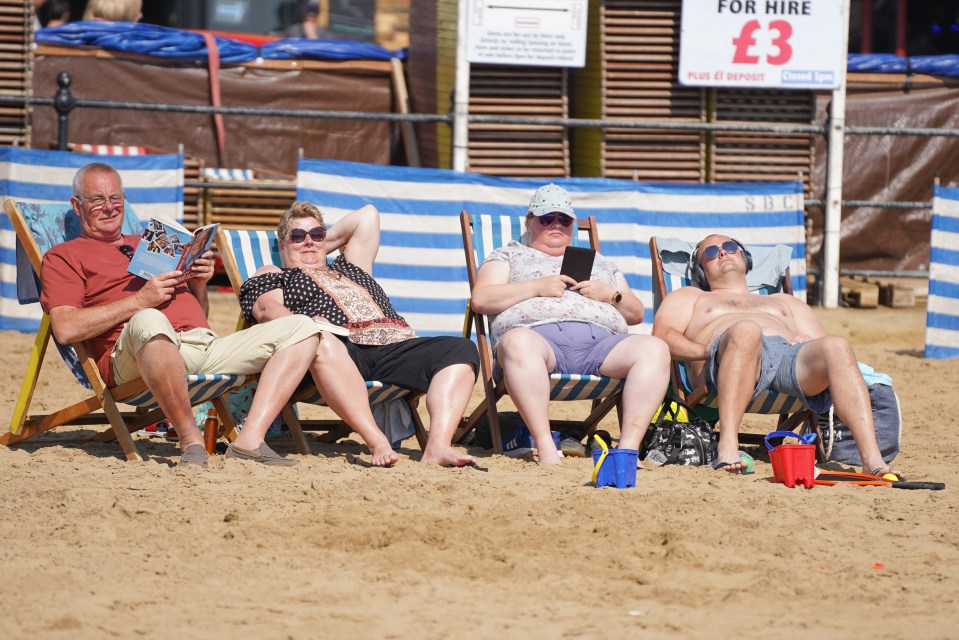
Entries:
{"x":602,"y":456}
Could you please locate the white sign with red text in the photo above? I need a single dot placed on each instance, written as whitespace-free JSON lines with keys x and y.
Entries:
{"x":786,"y":44}
{"x":546,"y":33}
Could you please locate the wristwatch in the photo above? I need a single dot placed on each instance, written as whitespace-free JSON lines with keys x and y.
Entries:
{"x":617,"y":298}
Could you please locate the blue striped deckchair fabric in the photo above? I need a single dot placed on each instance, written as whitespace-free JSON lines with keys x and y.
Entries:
{"x":769,"y":402}
{"x":201,"y":387}
{"x":420,"y":262}
{"x":574,"y":386}
{"x":493,"y":232}
{"x":942,"y":307}
{"x":249,"y":250}
{"x":233,"y":175}
{"x":153,"y":184}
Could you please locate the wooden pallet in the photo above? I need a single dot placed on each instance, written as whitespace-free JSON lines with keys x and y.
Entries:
{"x":250,"y":204}
{"x":16,"y":69}
{"x":518,"y":150}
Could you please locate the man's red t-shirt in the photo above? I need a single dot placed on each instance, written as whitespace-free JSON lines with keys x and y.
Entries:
{"x":86,"y":273}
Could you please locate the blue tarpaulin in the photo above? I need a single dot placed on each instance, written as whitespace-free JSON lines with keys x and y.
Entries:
{"x":177,"y":44}
{"x":945,"y":65}
{"x":307,"y":49}
{"x":145,"y":39}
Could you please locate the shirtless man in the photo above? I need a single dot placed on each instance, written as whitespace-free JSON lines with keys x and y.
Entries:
{"x":741,"y":344}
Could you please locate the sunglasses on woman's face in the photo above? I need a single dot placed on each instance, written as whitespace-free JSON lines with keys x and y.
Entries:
{"x":712,"y":252}
{"x":299,"y":235}
{"x":549,"y":218}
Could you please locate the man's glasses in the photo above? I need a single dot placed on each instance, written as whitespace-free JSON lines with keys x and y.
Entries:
{"x":126,"y":250}
{"x":712,"y":252}
{"x":549,"y":218}
{"x":116,"y":199}
{"x":299,"y":235}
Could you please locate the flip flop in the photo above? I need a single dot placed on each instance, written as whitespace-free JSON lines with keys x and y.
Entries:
{"x":882,"y":472}
{"x":720,"y":465}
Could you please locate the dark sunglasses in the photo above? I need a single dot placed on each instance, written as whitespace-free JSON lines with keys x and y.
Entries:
{"x":299,"y":235}
{"x":126,"y":250}
{"x":549,"y":218}
{"x":712,"y":252}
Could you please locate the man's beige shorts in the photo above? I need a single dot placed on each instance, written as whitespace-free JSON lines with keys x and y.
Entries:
{"x":244,"y":352}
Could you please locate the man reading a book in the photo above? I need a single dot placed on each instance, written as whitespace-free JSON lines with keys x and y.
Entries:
{"x":157,"y":329}
{"x":548,"y":322}
{"x":378,"y":345}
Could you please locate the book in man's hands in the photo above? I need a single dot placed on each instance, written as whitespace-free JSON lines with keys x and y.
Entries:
{"x":578,"y":263}
{"x":169,"y":246}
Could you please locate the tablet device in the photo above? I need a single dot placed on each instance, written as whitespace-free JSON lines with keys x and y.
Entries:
{"x":578,"y":263}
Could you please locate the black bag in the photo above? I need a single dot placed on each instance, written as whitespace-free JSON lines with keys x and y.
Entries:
{"x":687,"y":443}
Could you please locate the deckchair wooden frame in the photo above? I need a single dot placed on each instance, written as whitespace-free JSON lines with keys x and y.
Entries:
{"x":700,"y":395}
{"x":335,"y":429}
{"x":23,"y":425}
{"x":494,"y":392}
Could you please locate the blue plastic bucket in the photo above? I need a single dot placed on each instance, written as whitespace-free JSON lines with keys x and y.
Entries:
{"x":619,"y":468}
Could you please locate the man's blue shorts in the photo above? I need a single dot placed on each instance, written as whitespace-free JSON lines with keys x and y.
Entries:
{"x":777,"y":371}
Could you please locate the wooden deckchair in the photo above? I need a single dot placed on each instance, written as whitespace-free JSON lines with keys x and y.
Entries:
{"x":39,"y":227}
{"x":243,"y":251}
{"x":791,"y":410}
{"x":481,"y":235}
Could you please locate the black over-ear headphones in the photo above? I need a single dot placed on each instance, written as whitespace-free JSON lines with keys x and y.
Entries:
{"x":698,"y":276}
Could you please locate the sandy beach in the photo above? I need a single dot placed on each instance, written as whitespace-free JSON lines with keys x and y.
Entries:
{"x":100,"y":547}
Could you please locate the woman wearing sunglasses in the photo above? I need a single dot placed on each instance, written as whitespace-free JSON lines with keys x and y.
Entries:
{"x":547,"y":322}
{"x":380,"y":345}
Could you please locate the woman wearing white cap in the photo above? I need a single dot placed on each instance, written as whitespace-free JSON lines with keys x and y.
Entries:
{"x":546,"y":322}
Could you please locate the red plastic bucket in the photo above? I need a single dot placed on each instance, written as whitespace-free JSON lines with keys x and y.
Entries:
{"x":793,"y":463}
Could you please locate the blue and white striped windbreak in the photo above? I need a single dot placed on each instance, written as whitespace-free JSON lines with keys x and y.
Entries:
{"x":153,"y":185}
{"x":421,"y":264}
{"x":942,"y":307}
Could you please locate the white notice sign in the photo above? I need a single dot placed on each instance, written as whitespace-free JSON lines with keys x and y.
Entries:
{"x":787,"y":44}
{"x":547,"y":33}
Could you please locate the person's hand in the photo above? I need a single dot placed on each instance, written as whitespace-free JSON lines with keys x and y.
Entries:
{"x":708,"y":344}
{"x":202,"y":269}
{"x":553,"y":286}
{"x":158,"y":289}
{"x":595,"y":290}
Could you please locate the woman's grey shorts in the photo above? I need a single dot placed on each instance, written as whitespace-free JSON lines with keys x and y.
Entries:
{"x":777,"y":371}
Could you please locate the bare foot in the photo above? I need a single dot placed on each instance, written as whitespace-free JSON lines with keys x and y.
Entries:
{"x":549,"y":455}
{"x":446,"y":456}
{"x":383,"y":455}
